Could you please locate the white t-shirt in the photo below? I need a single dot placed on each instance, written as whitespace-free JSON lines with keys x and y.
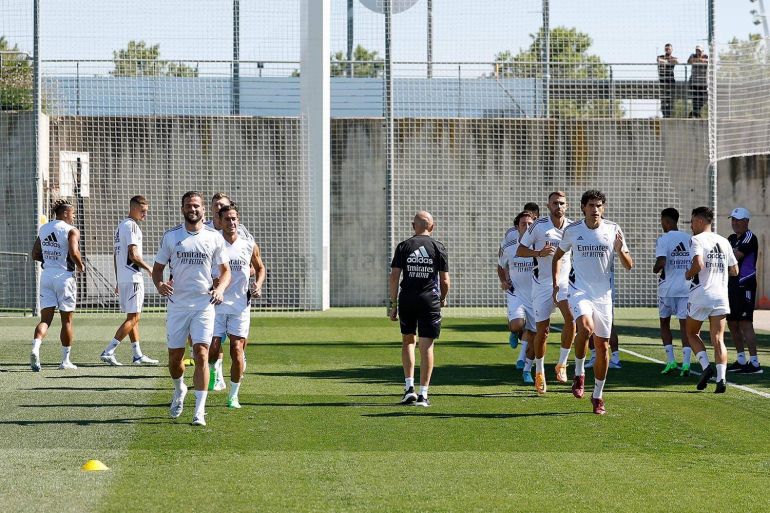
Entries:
{"x":593,"y":258}
{"x":543,"y":232}
{"x":520,"y":271}
{"x":675,"y":246}
{"x":709,"y":286}
{"x":236,"y":298}
{"x":511,"y":236}
{"x":54,"y":241}
{"x":127,"y":234}
{"x":191,"y":256}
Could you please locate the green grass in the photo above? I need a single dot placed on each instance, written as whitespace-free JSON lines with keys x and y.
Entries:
{"x":320,"y":430}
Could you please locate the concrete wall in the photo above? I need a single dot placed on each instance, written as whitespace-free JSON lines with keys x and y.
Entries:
{"x":743,"y":182}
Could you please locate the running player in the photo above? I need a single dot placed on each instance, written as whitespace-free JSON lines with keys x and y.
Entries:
{"x":672,"y":259}
{"x":512,"y":236}
{"x":129,"y":264}
{"x":233,"y":314}
{"x":56,"y":248}
{"x":191,"y":250}
{"x":423,"y":293}
{"x":518,"y":286}
{"x":541,"y":241}
{"x":713,"y":261}
{"x":594,"y":242}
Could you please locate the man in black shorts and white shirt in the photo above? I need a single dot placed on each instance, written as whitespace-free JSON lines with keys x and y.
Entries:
{"x":423,"y":293}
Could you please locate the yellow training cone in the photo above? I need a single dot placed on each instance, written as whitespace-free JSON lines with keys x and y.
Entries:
{"x":93,"y":466}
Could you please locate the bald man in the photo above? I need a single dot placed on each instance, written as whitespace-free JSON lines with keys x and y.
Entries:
{"x":423,"y":293}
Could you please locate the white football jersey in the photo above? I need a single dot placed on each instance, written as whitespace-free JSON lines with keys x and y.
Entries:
{"x":191,"y":256}
{"x":54,"y":242}
{"x":675,"y":246}
{"x":520,"y":271}
{"x":236,"y":297}
{"x":511,"y":236}
{"x":709,"y":286}
{"x":593,"y":258}
{"x":543,"y":232}
{"x":127,"y":234}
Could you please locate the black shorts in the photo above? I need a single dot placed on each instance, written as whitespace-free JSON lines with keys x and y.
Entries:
{"x":742,"y":298}
{"x":420,"y":316}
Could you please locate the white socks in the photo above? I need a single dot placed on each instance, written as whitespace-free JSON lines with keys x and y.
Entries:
{"x":580,"y":369}
{"x":755,"y":361}
{"x":65,"y":353}
{"x":528,"y":365}
{"x":563,"y":356}
{"x":424,"y":391}
{"x":539,"y":366}
{"x":200,"y":402}
{"x":408,"y":383}
{"x":742,"y":358}
{"x":615,"y":358}
{"x":669,"y":352}
{"x":136,"y":349}
{"x":593,"y":354}
{"x":598,"y":388}
{"x":234,"y":387}
{"x":522,"y":350}
{"x":721,"y":371}
{"x":686,"y":355}
{"x":36,"y":343}
{"x":703,"y":358}
{"x":110,"y":349}
{"x":178,"y":384}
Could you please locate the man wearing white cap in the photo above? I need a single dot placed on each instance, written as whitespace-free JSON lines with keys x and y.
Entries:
{"x":698,"y":84}
{"x":742,"y":290}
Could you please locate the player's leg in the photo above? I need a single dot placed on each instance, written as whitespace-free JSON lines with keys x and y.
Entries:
{"x":201,"y":332}
{"x":750,"y":337}
{"x":736,"y":336}
{"x":694,"y":322}
{"x":139,"y":358}
{"x":426,"y":369}
{"x":542,"y":304}
{"x":668,"y":345}
{"x":214,"y":349}
{"x":41,"y":330}
{"x":567,"y":338}
{"x":717,"y":334}
{"x":177,"y":329}
{"x":614,"y":349}
{"x":582,"y":312}
{"x":67,"y":337}
{"x":237,"y":345}
{"x":529,"y":358}
{"x":408,"y":342}
{"x":601,"y":366}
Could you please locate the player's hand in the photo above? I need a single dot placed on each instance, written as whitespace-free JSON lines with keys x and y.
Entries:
{"x":618,"y":242}
{"x":548,"y":250}
{"x":256,"y":290}
{"x":505,"y":285}
{"x":165,"y":289}
{"x":443,"y":303}
{"x":216,"y":297}
{"x":555,"y":294}
{"x":393,"y":313}
{"x":117,"y":291}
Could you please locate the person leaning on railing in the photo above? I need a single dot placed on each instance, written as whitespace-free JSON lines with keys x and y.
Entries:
{"x":698,"y":84}
{"x":666,"y":63}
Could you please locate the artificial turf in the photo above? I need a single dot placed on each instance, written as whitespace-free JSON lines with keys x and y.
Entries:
{"x":320,"y":429}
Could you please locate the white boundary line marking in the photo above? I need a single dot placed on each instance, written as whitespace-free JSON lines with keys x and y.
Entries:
{"x":734,"y":385}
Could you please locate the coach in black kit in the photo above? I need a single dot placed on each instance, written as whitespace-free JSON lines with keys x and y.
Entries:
{"x":423,"y":292}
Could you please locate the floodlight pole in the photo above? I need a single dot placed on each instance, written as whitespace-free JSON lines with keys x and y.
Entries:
{"x":389,"y":128}
{"x":712,"y":117}
{"x":37,"y":113}
{"x":430,"y":38}
{"x":546,"y":58}
{"x":236,"y":85}
{"x":350,"y":38}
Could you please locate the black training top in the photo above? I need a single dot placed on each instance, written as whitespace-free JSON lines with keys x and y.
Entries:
{"x":421,"y":258}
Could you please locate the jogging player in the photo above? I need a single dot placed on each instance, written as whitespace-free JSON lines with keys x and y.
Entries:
{"x":191,"y":250}
{"x":57,"y":249}
{"x":712,"y":262}
{"x":418,"y":304}
{"x":129,"y":265}
{"x":594,"y":242}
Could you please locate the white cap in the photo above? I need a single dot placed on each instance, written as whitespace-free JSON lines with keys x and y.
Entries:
{"x":740,"y":213}
{"x":699,"y":47}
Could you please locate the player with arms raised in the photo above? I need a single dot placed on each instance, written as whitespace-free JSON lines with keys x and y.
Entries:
{"x":56,"y":248}
{"x":191,"y":251}
{"x":233,"y":315}
{"x":594,"y":242}
{"x":129,"y":265}
{"x":713,"y":262}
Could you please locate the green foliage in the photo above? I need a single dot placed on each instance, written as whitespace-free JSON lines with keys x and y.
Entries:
{"x":15,"y":78}
{"x":141,"y":60}
{"x":367,"y":64}
{"x":569,"y":60}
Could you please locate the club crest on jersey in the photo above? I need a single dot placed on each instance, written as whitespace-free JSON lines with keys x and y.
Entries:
{"x":419,"y":256}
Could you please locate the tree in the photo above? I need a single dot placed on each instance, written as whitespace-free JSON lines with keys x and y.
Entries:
{"x":15,"y":78}
{"x":366,"y":64}
{"x":570,"y":60}
{"x":140,"y":60}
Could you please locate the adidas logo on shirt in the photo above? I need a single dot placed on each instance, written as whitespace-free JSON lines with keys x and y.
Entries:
{"x":680,"y":250}
{"x":580,"y":237}
{"x":419,"y":256}
{"x":51,"y":241}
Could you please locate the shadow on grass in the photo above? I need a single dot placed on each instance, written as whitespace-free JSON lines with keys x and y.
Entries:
{"x":440,"y":415}
{"x":106,"y":405}
{"x":85,"y":422}
{"x":93,"y":389}
{"x":108,"y":376}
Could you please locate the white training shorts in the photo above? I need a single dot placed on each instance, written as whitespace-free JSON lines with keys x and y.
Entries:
{"x":668,"y":306}
{"x":131,"y":296}
{"x":518,"y":309}
{"x":600,"y":313}
{"x":199,"y":324}
{"x":58,"y":291}
{"x":236,"y":325}
{"x":542,"y":300}
{"x":701,"y":313}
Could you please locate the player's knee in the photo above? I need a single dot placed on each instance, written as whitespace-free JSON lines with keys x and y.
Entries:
{"x":516,"y":325}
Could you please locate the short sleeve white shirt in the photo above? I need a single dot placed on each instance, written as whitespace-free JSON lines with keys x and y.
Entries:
{"x":127,"y":234}
{"x":519,"y":269}
{"x":542,"y":233}
{"x":54,"y":242}
{"x":593,"y":258}
{"x":675,"y":247}
{"x":709,"y":286}
{"x":191,"y":256}
{"x":238,"y":254}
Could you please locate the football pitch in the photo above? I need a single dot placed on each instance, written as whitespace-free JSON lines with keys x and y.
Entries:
{"x":321,"y":430}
